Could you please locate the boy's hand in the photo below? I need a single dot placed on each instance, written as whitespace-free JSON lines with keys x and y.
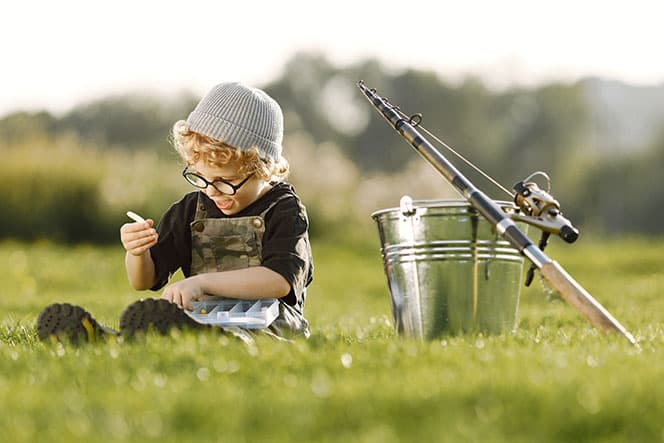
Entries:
{"x":182,"y":293}
{"x":137,"y":238}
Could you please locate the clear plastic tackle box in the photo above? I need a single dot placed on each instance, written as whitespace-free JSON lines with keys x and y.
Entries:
{"x":249,"y":314}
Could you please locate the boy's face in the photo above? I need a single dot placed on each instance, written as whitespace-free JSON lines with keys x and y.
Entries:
{"x":248,"y":193}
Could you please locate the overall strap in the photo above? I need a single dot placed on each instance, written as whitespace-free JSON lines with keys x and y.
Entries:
{"x":201,"y":212}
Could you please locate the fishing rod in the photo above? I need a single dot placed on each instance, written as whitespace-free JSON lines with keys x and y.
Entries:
{"x":540,"y":209}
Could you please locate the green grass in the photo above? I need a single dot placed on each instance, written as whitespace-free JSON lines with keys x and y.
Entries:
{"x":555,"y":379}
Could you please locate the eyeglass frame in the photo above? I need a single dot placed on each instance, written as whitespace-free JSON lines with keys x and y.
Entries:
{"x":235,"y":188}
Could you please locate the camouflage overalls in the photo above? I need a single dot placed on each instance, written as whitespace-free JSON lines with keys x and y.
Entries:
{"x":224,"y":244}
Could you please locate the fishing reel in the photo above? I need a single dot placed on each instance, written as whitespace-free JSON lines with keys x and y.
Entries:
{"x":538,"y":208}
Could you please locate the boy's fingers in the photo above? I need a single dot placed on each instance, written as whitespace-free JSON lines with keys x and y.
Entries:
{"x":132,"y":227}
{"x":147,"y":234}
{"x":177,"y":297}
{"x":145,"y":238}
{"x":136,"y":226}
{"x":141,"y":241}
{"x":141,"y":245}
{"x":169,"y":295}
{"x":172,"y":295}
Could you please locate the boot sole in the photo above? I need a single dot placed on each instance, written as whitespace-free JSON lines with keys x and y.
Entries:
{"x":155,"y":314}
{"x":63,"y":321}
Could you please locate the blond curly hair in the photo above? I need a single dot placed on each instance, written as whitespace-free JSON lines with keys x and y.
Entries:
{"x":192,"y":146}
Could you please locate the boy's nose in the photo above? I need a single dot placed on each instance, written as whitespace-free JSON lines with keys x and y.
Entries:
{"x":211,"y":191}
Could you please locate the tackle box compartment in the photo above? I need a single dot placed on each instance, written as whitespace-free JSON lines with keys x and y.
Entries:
{"x":249,"y":314}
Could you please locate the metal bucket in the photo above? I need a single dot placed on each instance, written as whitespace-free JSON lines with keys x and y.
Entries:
{"x":448,"y":270}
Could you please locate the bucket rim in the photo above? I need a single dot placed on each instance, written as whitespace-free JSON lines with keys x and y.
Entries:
{"x":441,"y":202}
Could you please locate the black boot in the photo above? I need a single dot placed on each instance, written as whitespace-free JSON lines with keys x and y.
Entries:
{"x":158,"y":314}
{"x":62,"y":321}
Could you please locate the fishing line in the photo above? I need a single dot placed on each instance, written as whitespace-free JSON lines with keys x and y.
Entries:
{"x":416,"y":119}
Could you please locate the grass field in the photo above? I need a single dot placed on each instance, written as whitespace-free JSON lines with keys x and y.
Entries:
{"x":554,"y":379}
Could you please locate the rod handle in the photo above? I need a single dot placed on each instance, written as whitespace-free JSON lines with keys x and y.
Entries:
{"x":575,"y":295}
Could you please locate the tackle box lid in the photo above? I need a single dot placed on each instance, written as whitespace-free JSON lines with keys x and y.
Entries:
{"x":248,"y":314}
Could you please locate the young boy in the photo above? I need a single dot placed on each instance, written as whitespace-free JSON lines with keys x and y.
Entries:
{"x":242,"y":234}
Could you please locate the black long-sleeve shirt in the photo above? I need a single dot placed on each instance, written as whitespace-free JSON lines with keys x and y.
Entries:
{"x":286,"y":248}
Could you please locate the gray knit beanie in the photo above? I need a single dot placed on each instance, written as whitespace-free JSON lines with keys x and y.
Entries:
{"x":242,"y":117}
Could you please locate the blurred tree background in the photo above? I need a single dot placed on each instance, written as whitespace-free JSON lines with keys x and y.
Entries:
{"x":71,"y":177}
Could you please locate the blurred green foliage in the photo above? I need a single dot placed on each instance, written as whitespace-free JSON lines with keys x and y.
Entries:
{"x":71,"y":177}
{"x":61,"y":189}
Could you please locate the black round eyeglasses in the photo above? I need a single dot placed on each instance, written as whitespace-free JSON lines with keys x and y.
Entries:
{"x":219,"y":184}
